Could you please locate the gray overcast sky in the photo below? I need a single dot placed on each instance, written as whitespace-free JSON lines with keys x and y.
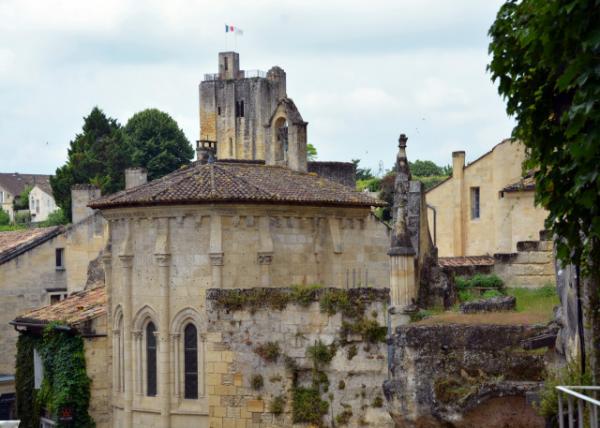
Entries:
{"x":361,"y":72}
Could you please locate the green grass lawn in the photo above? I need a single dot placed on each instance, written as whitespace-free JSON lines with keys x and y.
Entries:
{"x":535,"y":301}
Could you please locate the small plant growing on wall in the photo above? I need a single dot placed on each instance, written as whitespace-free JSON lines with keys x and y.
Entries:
{"x":277,"y":405}
{"x":257,"y":382}
{"x":321,"y":354}
{"x":269,"y":351}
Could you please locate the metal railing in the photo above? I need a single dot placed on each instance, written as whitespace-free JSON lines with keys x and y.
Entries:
{"x":577,"y":404}
{"x":253,"y":73}
{"x":211,"y":76}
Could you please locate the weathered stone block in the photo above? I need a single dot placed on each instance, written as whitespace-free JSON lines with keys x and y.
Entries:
{"x":503,"y":303}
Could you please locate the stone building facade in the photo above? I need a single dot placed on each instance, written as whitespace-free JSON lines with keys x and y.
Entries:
{"x":486,"y":207}
{"x":41,"y":202}
{"x":218,"y":225}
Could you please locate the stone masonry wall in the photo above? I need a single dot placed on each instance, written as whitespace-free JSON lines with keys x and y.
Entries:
{"x":532,"y":266}
{"x":463,"y":376}
{"x":245,"y":388}
{"x":98,"y":367}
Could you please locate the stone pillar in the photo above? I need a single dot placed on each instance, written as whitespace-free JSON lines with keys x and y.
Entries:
{"x":163,"y":261}
{"x":403,"y":285}
{"x":126,"y":258}
{"x":265,"y":251}
{"x":458,"y":166}
{"x":175,"y":340}
{"x":216,"y":250}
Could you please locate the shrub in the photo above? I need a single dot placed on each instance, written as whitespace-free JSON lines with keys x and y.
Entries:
{"x":492,"y":293}
{"x":55,"y":218}
{"x":568,"y":375}
{"x":352,"y":351}
{"x":465,"y":296}
{"x":377,"y":401}
{"x":344,"y":417}
{"x":341,"y":384}
{"x":257,"y":382}
{"x":320,"y":353}
{"x":4,"y":218}
{"x":304,"y":295}
{"x":479,"y":280}
{"x":277,"y":405}
{"x":369,"y":329}
{"x":268,"y":351}
{"x":307,"y":406}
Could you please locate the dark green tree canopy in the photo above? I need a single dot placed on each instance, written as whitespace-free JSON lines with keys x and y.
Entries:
{"x":546,"y":59}
{"x":157,"y":143}
{"x":98,"y":155}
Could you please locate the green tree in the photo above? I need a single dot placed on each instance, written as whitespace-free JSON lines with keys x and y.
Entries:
{"x":362,"y":173}
{"x":157,"y":143}
{"x":21,"y":202}
{"x":311,"y":152}
{"x":98,"y":155}
{"x":55,"y":218}
{"x":425,"y":168}
{"x":545,"y":56}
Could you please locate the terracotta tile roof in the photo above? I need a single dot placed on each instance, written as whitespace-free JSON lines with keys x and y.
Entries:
{"x":75,"y":309}
{"x":524,"y":184}
{"x":466,"y":261}
{"x":15,"y":243}
{"x":238,"y":182}
{"x":14,"y":182}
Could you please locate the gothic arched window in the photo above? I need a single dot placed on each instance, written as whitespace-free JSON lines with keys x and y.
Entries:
{"x":190,"y":361}
{"x":150,"y":360}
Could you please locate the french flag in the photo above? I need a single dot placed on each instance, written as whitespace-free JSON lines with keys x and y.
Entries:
{"x":232,"y":29}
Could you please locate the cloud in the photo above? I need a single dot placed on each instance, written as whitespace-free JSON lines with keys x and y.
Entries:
{"x":360,"y":72}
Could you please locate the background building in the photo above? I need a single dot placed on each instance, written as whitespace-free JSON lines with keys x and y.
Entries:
{"x":13,"y":184}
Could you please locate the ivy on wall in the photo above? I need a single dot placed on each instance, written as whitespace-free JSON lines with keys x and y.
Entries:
{"x":65,"y":384}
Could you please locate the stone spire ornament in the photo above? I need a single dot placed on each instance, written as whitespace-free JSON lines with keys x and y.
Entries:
{"x":401,"y":243}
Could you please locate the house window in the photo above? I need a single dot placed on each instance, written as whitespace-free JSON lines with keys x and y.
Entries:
{"x":475,"y":212}
{"x":150,"y":360}
{"x":57,"y":297}
{"x":60,"y":258}
{"x":190,"y":361}
{"x":38,"y":370}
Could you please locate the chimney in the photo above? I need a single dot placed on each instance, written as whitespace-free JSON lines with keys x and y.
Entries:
{"x":206,"y":151}
{"x":135,"y":177}
{"x":458,"y":164}
{"x":81,"y":196}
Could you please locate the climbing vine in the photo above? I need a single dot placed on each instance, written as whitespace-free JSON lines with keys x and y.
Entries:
{"x":65,"y":384}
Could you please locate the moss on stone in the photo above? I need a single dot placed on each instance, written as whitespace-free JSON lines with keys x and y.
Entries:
{"x":277,"y":405}
{"x":321,"y":354}
{"x":351,"y":352}
{"x":257,"y":382}
{"x":344,"y":417}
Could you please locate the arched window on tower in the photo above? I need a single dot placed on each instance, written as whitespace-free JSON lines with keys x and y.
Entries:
{"x":150,"y":360}
{"x":190,"y":361}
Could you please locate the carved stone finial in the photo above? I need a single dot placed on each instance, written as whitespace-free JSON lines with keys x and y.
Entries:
{"x":402,"y":141}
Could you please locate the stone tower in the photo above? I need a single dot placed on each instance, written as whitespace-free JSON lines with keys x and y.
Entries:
{"x":248,"y":115}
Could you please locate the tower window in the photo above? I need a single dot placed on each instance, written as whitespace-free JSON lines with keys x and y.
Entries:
{"x":226,"y":63}
{"x":239,"y":109}
{"x":59,"y":255}
{"x":475,"y":211}
{"x":150,"y":360}
{"x":219,"y":111}
{"x":190,"y":362}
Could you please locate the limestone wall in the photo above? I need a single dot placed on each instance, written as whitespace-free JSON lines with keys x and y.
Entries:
{"x":83,"y":243}
{"x":463,"y":375}
{"x":98,"y":367}
{"x":504,"y":219}
{"x":531,"y":266}
{"x":350,"y":384}
{"x":23,"y":284}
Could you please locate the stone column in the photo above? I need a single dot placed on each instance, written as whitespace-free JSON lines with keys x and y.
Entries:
{"x":126,"y":267}
{"x":265,"y":251}
{"x":216,"y":250}
{"x":137,"y":346}
{"x":403,"y":287}
{"x":163,"y":261}
{"x":175,"y":340}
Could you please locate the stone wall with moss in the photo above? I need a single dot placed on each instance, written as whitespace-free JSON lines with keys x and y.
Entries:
{"x":459,"y":374}
{"x":296,"y":356}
